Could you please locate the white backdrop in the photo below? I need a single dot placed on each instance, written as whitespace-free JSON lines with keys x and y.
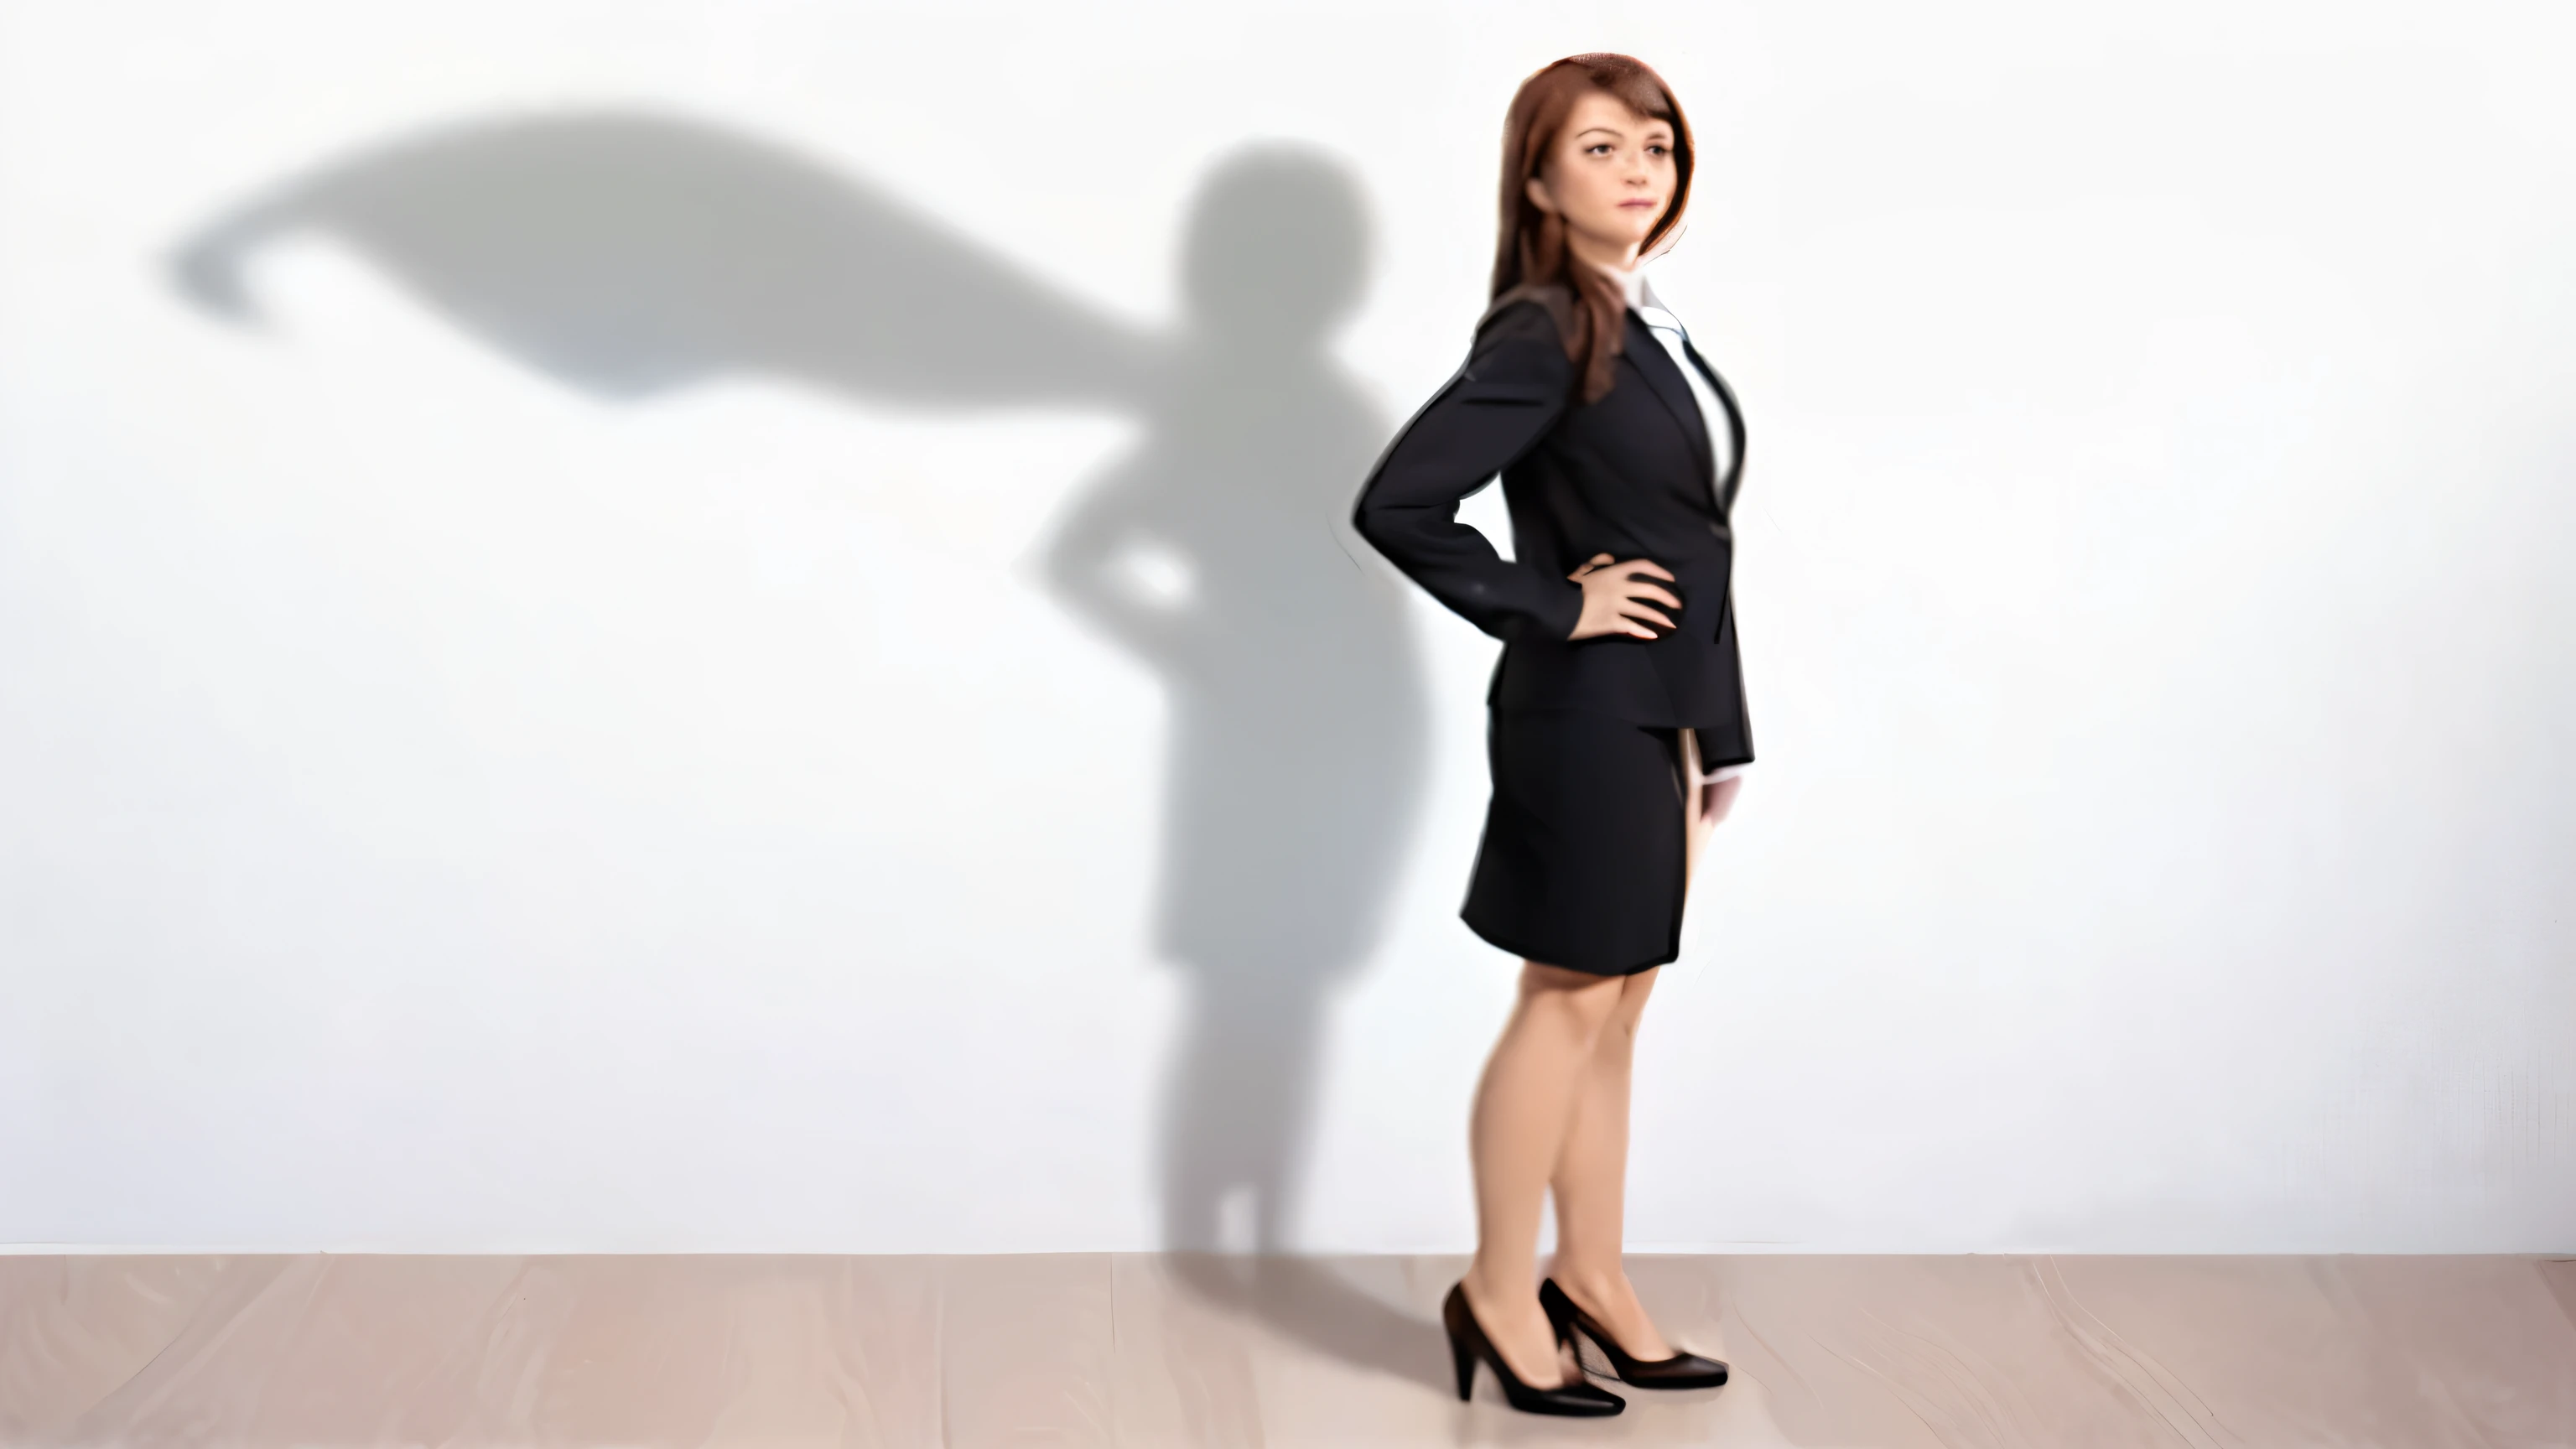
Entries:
{"x":445,"y":804}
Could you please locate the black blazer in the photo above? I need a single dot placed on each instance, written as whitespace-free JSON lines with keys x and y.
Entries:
{"x":1628,"y":475}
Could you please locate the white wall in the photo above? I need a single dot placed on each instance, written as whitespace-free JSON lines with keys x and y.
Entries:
{"x":448,"y":802}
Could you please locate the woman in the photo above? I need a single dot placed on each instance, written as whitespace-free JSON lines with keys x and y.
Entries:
{"x":1617,"y":710}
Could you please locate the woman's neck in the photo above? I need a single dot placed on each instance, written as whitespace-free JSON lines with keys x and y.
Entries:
{"x":1612,"y":257}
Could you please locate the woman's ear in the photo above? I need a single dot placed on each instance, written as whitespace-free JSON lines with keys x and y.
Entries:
{"x":1536,"y":189}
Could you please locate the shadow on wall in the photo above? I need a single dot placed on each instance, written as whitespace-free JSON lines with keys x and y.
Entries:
{"x":629,"y":254}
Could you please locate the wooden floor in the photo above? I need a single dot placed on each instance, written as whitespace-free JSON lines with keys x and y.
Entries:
{"x":1100,"y":1349}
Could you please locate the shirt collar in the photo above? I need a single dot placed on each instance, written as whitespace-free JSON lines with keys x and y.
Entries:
{"x":1632,"y":283}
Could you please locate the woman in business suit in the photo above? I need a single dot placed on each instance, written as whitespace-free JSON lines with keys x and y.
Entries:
{"x":1617,"y":710}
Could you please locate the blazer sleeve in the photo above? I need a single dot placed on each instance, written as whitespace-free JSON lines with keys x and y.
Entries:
{"x":1515,"y":386}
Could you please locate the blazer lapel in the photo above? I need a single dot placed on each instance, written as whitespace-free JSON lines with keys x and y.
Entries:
{"x":1734,"y":427}
{"x":1670,"y":388}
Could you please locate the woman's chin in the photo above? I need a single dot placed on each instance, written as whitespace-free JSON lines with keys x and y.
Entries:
{"x":1627,"y":229}
{"x":1616,"y":238}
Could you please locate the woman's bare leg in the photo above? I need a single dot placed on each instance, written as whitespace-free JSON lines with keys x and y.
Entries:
{"x":1591,"y":1180}
{"x":1524,"y":1104}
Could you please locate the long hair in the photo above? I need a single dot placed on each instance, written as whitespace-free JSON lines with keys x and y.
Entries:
{"x":1531,"y":251}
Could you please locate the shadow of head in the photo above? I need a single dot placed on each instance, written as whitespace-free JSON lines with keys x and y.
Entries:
{"x":1276,"y":255}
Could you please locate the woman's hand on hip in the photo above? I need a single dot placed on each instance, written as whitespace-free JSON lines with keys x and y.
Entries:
{"x":1617,"y":599}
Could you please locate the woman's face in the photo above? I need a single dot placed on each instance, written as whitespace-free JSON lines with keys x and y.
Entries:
{"x":1610,"y":175}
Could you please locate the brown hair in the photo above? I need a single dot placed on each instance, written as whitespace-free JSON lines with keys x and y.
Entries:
{"x":1531,"y":252}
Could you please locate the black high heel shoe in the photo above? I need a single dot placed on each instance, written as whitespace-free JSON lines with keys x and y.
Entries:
{"x":1681,"y":1371}
{"x":1467,"y":1343}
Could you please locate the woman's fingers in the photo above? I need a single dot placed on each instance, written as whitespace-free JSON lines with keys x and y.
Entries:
{"x":1638,"y":588}
{"x":1617,"y":591}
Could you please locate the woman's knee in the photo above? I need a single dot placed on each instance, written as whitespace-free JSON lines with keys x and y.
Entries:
{"x":1616,"y":1041}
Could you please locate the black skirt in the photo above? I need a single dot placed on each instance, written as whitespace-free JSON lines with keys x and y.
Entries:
{"x":1582,"y":864}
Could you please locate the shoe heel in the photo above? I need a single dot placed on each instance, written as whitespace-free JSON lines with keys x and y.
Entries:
{"x":1463,"y":1354}
{"x":1469,"y":1342}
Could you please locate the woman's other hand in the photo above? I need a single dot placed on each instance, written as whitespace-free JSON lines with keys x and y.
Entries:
{"x":1717,"y":796}
{"x":1618,"y":600}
